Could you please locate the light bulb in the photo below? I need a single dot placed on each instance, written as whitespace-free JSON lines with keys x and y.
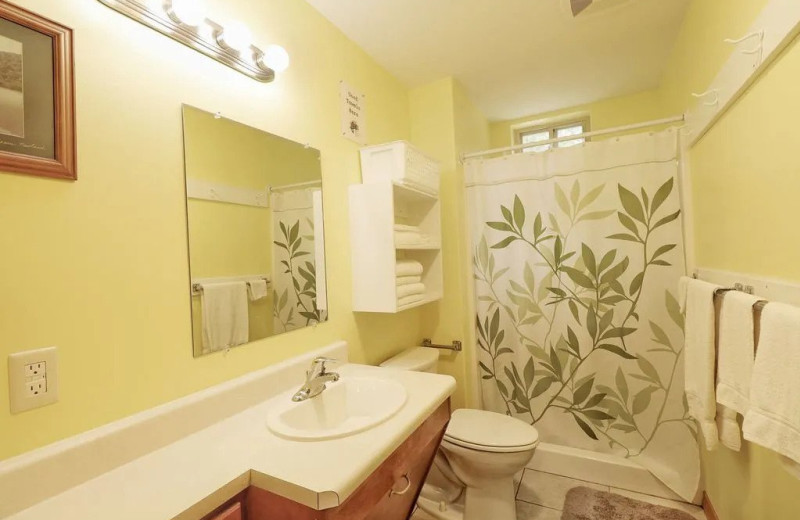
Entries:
{"x":276,"y":58}
{"x":187,"y":12}
{"x":235,"y":36}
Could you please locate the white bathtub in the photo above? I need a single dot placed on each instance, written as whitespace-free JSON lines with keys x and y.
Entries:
{"x":600,"y":468}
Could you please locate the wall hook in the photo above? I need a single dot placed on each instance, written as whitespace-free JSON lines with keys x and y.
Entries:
{"x":759,"y":50}
{"x":714,"y":91}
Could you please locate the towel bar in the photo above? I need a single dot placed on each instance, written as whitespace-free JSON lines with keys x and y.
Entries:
{"x":455,"y":346}
{"x":197,"y":288}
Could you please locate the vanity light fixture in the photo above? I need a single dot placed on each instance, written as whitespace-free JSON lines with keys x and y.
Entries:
{"x":276,"y":58}
{"x":185,"y":22}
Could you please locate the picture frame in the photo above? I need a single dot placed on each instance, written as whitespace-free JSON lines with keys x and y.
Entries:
{"x":37,"y":95}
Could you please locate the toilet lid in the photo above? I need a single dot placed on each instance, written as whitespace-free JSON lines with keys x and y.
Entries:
{"x":490,"y":431}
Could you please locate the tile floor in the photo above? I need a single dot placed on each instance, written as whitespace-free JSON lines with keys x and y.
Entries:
{"x":540,"y":496}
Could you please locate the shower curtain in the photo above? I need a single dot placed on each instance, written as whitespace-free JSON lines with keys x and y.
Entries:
{"x":298,"y":264}
{"x":577,"y":255}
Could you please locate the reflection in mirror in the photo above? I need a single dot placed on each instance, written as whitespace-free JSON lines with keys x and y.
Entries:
{"x":256,"y":246}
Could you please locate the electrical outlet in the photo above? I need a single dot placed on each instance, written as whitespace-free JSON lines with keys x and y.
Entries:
{"x":35,"y":387}
{"x":32,"y":379}
{"x":36,"y":370}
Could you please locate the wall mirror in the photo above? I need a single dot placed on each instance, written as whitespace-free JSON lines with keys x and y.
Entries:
{"x":256,"y":237}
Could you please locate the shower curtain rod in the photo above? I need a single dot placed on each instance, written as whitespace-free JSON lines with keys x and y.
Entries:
{"x":618,"y":129}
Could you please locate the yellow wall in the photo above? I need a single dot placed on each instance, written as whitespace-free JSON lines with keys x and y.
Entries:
{"x":606,"y":113}
{"x":446,"y":123}
{"x":99,"y":267}
{"x":745,"y":177}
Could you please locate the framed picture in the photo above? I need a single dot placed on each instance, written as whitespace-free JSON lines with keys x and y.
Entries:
{"x":37,"y":95}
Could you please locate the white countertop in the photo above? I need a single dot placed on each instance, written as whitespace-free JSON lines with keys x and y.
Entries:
{"x":240,"y":451}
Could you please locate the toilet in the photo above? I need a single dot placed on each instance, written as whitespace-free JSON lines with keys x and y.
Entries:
{"x":479,"y":456}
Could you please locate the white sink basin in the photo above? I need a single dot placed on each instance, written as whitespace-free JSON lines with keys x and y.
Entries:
{"x":349,"y":406}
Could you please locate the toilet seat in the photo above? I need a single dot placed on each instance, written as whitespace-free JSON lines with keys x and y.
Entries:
{"x":490,"y":432}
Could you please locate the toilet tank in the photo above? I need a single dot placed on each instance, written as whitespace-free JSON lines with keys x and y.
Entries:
{"x":419,"y":359}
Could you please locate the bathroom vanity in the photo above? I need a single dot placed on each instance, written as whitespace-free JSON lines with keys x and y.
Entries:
{"x":389,"y":493}
{"x":214,"y":455}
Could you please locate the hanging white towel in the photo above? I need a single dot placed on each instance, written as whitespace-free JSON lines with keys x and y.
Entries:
{"x":700,"y":358}
{"x":408,"y":290}
{"x":408,"y":268}
{"x":225,"y":320}
{"x":773,"y":420}
{"x":408,"y":280}
{"x":257,"y":289}
{"x":730,"y":435}
{"x":736,"y":351}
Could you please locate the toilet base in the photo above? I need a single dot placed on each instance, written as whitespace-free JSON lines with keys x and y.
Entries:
{"x":494,"y":500}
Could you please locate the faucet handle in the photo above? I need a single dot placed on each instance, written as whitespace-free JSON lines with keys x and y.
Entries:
{"x":321,"y":363}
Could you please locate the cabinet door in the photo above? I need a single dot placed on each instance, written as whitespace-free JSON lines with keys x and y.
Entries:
{"x":234,"y":512}
{"x":398,"y":504}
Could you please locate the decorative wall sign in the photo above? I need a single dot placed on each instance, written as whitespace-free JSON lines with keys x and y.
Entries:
{"x":37,"y":99}
{"x":353,"y":120}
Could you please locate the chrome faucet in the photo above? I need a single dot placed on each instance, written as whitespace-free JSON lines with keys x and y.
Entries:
{"x":316,"y":379}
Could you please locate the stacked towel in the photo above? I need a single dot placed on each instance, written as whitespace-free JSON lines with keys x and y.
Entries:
{"x":773,"y":420}
{"x":408,"y":236}
{"x":700,"y":357}
{"x":225,"y":317}
{"x":410,"y":288}
{"x":408,"y":268}
{"x":408,"y":280}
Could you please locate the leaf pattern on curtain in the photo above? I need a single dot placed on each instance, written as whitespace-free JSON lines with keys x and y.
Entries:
{"x":575,"y":303}
{"x":295,"y":293}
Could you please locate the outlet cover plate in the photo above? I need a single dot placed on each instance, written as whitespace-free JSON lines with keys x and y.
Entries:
{"x":18,"y":378}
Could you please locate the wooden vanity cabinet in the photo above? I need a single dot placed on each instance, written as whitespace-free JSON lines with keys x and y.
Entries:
{"x":388,"y":494}
{"x":232,"y":512}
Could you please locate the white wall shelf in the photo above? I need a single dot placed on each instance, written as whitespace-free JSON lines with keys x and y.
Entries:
{"x":375,"y":209}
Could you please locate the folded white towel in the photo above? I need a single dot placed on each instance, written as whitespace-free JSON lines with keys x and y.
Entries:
{"x":225,"y":318}
{"x":403,"y":227}
{"x":408,"y":239}
{"x":408,"y":268}
{"x":736,"y":351}
{"x":404,"y":238}
{"x":773,"y":420}
{"x":408,"y":300}
{"x":257,"y":289}
{"x":700,"y":358}
{"x":730,"y":435}
{"x":408,"y":290}
{"x":408,"y":280}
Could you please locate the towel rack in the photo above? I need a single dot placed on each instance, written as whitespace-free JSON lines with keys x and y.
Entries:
{"x":197,"y":287}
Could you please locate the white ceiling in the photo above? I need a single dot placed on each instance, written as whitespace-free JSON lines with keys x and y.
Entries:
{"x":516,"y":57}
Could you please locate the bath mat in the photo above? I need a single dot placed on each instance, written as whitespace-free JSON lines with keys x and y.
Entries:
{"x":583,"y":503}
